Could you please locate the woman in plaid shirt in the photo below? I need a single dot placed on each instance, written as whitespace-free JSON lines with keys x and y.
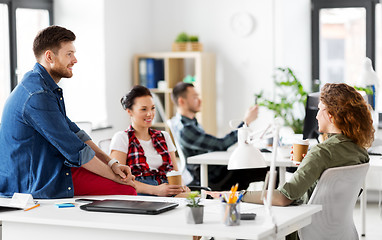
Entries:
{"x":148,"y":152}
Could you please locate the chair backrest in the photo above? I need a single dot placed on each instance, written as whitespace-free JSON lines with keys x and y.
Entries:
{"x":86,"y":126}
{"x":187,"y":177}
{"x":104,"y":144}
{"x":337,"y":191}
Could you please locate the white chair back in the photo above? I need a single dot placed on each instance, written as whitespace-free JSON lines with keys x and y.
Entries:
{"x":186,"y":175}
{"x":86,"y":126}
{"x":105,"y":145}
{"x":337,"y":191}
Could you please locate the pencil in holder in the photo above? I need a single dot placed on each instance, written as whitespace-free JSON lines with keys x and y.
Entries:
{"x":231,"y":213}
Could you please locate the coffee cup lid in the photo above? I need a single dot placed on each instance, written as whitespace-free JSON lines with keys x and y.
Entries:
{"x":173,"y":173}
{"x":302,"y":142}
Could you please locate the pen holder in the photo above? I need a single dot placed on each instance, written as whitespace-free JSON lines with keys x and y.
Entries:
{"x":231,"y":214}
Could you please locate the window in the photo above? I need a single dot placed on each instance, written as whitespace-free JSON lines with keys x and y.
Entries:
{"x":342,"y":44}
{"x":20,"y":20}
{"x":378,"y":56}
{"x":343,"y":34}
{"x":5,"y":84}
{"x":28,"y":23}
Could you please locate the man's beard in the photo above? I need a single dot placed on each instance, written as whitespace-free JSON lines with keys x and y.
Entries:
{"x":60,"y":73}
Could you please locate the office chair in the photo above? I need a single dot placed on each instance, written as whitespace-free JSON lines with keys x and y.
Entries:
{"x":86,"y":126}
{"x":104,"y":144}
{"x":186,"y":175}
{"x":337,"y":191}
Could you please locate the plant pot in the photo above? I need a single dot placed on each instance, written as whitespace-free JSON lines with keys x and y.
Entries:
{"x":195,"y":214}
{"x":187,"y":46}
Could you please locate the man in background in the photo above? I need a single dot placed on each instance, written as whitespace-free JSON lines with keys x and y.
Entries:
{"x":194,"y":141}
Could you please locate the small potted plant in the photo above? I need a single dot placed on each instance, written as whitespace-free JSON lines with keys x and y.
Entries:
{"x":194,"y":209}
{"x":184,"y":42}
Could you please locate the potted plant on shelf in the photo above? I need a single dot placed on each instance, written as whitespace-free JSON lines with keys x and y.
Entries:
{"x":184,"y":42}
{"x":195,"y":211}
{"x":290,"y":100}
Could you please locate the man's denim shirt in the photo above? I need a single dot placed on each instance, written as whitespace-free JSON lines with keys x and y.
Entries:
{"x":38,"y":142}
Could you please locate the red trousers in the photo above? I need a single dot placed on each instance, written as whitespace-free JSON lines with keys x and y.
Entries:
{"x":88,"y":183}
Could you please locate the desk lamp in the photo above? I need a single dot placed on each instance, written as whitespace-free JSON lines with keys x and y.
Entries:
{"x":369,"y":78}
{"x":247,"y":156}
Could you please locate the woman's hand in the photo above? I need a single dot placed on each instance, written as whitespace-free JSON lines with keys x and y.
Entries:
{"x":165,"y":190}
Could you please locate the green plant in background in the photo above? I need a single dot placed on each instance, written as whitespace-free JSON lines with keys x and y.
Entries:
{"x":193,"y":199}
{"x":290,"y":95}
{"x":182,"y":37}
{"x":194,"y":39}
{"x":367,"y":90}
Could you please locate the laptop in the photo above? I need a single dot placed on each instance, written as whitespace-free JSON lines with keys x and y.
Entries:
{"x":129,"y":206}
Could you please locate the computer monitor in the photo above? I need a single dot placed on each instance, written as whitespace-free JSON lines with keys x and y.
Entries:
{"x":310,"y":130}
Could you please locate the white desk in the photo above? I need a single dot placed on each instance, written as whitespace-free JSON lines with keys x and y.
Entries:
{"x":375,"y":163}
{"x":49,"y":222}
{"x":222,"y":157}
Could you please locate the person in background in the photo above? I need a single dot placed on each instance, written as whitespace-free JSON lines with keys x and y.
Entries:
{"x":149,"y":153}
{"x":194,"y":141}
{"x":40,"y":145}
{"x":345,"y":118}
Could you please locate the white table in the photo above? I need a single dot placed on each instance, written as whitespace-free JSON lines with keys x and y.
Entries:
{"x":375,"y":163}
{"x":222,"y":157}
{"x":49,"y":222}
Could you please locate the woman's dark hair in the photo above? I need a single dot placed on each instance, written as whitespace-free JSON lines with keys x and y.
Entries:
{"x":350,"y":112}
{"x":127,"y":101}
{"x":51,"y":38}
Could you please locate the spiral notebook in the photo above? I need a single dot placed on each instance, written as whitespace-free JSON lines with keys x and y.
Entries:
{"x":129,"y":206}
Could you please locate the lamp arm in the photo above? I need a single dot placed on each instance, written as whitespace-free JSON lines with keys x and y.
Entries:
{"x":272,"y":176}
{"x":265,"y":134}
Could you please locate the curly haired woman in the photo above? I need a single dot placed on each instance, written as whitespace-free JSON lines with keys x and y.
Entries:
{"x":345,"y":119}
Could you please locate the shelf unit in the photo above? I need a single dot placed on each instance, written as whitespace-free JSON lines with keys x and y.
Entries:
{"x":178,"y":65}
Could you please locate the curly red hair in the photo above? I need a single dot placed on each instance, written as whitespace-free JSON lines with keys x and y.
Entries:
{"x":350,"y":112}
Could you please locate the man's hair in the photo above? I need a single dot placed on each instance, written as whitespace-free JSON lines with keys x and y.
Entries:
{"x":180,"y":90}
{"x":51,"y":38}
{"x":350,"y":112}
{"x":127,"y":101}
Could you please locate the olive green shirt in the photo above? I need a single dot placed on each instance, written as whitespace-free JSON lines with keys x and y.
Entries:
{"x":338,"y":150}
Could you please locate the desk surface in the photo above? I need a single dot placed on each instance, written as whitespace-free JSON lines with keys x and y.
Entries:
{"x":48,"y":216}
{"x":222,"y":157}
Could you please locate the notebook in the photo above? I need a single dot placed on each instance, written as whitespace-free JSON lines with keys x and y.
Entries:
{"x":129,"y":206}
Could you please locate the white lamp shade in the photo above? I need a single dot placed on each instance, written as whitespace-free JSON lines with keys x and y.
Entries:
{"x":245,"y":155}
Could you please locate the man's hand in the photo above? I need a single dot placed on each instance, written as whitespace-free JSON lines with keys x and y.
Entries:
{"x":251,"y":114}
{"x":124,"y":172}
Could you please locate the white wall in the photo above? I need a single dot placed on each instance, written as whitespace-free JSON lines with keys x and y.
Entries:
{"x":244,"y":64}
{"x":84,"y":92}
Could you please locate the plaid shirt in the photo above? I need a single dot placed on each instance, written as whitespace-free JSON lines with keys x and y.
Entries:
{"x":136,"y":158}
{"x":194,"y":141}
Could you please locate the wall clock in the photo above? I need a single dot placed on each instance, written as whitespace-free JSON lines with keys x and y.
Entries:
{"x":242,"y":24}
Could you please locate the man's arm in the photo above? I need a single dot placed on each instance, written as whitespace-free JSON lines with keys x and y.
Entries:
{"x":120,"y":169}
{"x":96,"y":166}
{"x":195,"y":138}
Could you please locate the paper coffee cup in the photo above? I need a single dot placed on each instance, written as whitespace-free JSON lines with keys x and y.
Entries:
{"x":174,"y":178}
{"x":300,"y":147}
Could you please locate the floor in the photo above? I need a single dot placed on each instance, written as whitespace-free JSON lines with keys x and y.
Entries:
{"x":373,"y":221}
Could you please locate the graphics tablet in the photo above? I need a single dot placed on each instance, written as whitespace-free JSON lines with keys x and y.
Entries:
{"x":129,"y":206}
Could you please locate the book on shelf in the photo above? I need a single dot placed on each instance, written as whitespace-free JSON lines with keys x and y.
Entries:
{"x":154,"y":72}
{"x":142,"y":72}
